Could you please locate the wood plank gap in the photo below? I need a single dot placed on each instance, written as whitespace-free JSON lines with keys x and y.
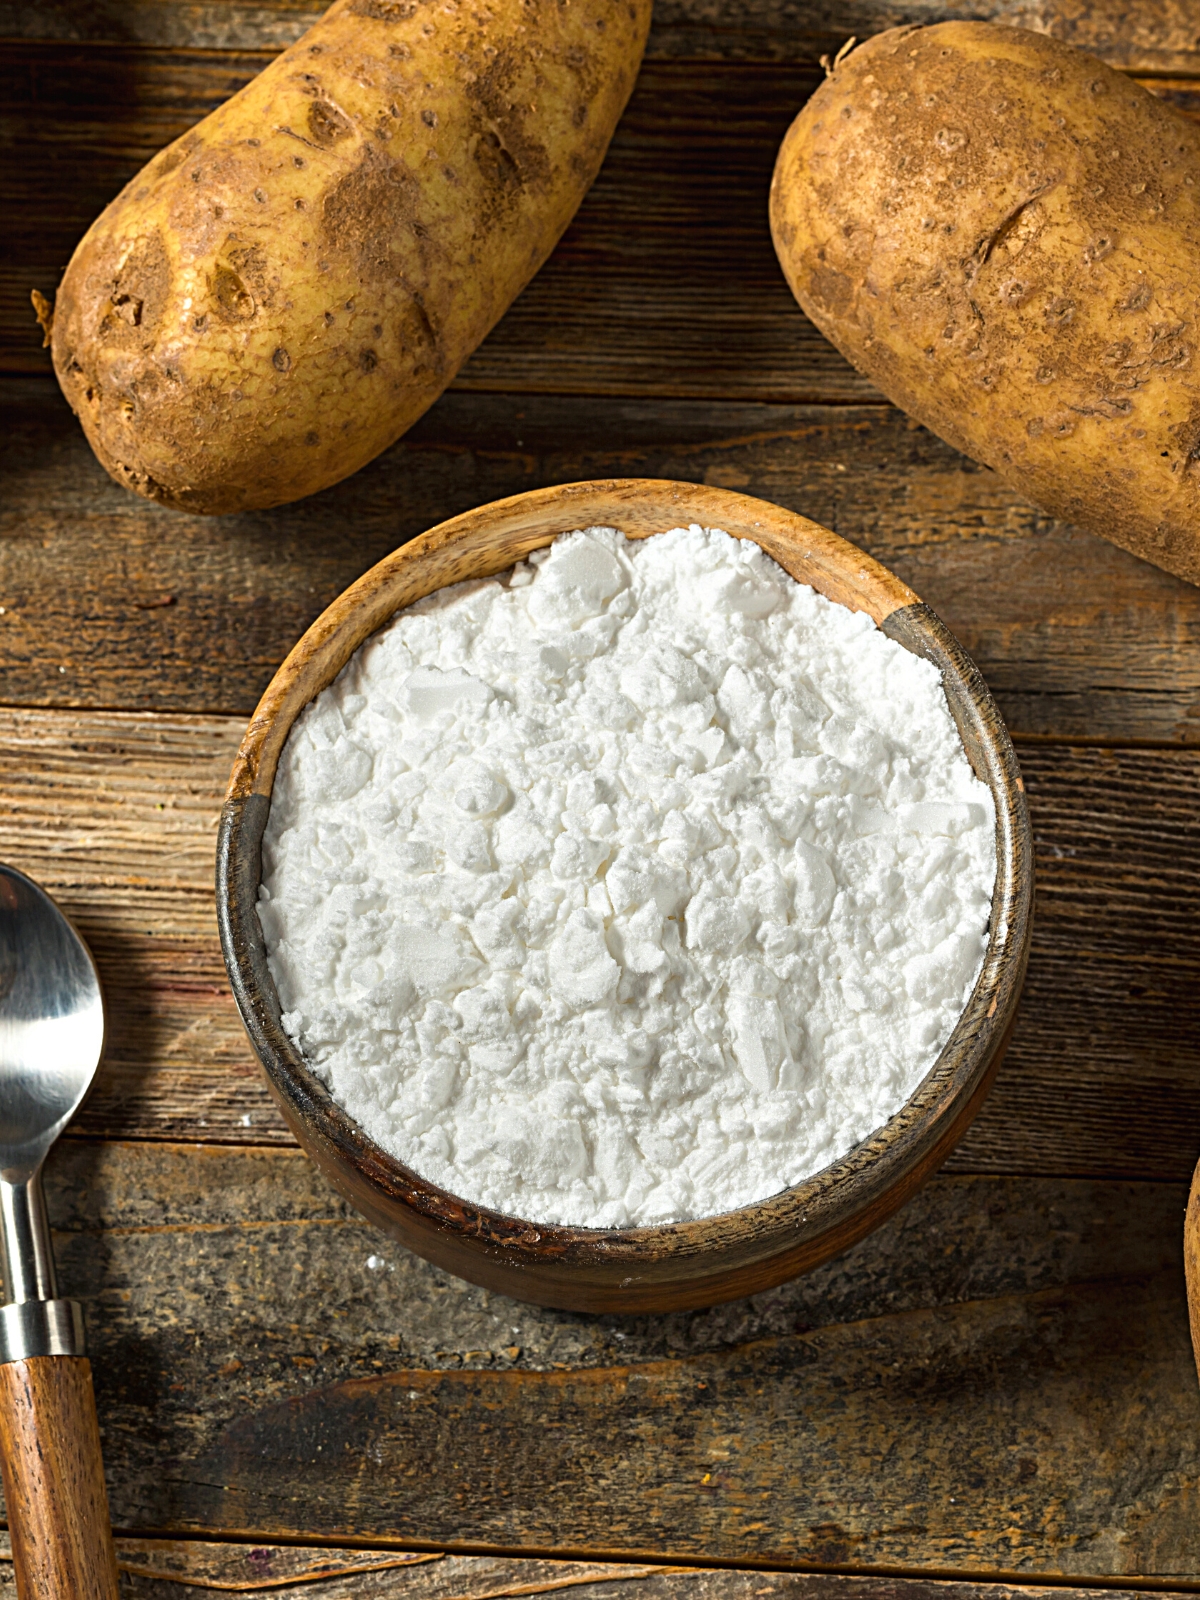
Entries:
{"x":632,"y":390}
{"x":136,"y":47}
{"x":1049,"y":740}
{"x":1148,"y":75}
{"x":105,"y":710}
{"x":225,"y":1141}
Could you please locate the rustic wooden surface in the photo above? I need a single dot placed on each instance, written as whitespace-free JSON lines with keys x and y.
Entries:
{"x":267,"y":1363}
{"x":111,"y":601}
{"x":997,"y":1388}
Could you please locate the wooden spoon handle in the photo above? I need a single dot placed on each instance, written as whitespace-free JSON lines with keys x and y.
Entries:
{"x":54,"y":1480}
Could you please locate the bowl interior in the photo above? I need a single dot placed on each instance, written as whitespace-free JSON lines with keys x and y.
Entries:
{"x":843,"y":1200}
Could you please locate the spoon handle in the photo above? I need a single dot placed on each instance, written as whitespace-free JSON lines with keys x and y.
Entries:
{"x":54,"y":1480}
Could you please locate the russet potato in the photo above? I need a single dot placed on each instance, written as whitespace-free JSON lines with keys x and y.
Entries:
{"x":280,"y":293}
{"x":1004,"y":235}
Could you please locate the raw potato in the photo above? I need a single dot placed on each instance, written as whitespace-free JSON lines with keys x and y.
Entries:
{"x":283,"y":291}
{"x":1004,"y":235}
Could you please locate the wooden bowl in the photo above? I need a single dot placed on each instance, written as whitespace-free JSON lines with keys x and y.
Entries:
{"x":677,"y":1265}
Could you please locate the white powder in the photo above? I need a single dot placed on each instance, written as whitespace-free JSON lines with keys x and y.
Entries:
{"x":632,"y":889}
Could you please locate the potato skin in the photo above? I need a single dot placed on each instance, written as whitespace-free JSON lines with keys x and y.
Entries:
{"x":280,"y":293}
{"x":1004,"y":235}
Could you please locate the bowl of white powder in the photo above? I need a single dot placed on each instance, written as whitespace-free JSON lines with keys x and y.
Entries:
{"x":626,"y":888}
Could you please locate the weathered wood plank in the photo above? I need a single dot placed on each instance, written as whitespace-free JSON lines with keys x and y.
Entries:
{"x":157,"y":1567}
{"x":117,"y":817}
{"x":861,"y":1445}
{"x":1153,"y":36}
{"x":665,"y":284}
{"x":237,"y":1250}
{"x":115,"y":814}
{"x":1117,"y":869}
{"x":492,"y":1578}
{"x":1000,"y":1380}
{"x":1143,"y":36}
{"x":162,"y":1569}
{"x":111,"y":601}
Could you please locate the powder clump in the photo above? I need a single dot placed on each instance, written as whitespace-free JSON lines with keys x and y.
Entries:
{"x":630,"y":889}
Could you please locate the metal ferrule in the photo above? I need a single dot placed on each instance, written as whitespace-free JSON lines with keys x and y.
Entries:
{"x":41,"y":1328}
{"x":36,"y":1322}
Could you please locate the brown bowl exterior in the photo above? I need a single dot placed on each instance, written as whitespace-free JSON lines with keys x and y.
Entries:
{"x":678,"y":1265}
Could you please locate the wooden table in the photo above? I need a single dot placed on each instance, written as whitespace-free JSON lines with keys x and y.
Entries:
{"x":997,"y":1388}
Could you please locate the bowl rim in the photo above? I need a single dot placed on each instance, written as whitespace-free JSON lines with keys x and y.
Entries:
{"x":483,"y":542}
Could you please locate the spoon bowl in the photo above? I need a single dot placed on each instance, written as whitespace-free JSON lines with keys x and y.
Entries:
{"x":51,"y":1023}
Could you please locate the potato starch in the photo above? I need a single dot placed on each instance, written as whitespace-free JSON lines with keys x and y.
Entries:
{"x":631,"y":888}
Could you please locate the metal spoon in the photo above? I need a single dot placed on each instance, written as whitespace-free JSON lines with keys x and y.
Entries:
{"x":51,"y":1036}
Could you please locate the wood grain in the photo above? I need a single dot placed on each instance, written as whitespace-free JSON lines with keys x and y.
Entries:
{"x":1109,"y":950}
{"x":860,"y":1446}
{"x":677,"y":1585}
{"x":180,"y":1568}
{"x":1156,"y":36}
{"x":665,"y":284}
{"x":177,"y":1569}
{"x":54,"y":1480}
{"x":1151,"y":36}
{"x":1000,"y":1379}
{"x":112,"y":602}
